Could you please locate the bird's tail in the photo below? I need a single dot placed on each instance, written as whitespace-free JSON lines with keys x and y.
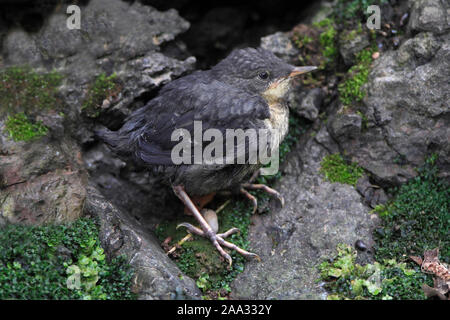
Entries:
{"x":114,"y":139}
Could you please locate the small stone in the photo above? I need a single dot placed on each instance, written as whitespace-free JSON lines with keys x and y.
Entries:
{"x":360,"y":245}
{"x":375,"y":55}
{"x":106,"y":103}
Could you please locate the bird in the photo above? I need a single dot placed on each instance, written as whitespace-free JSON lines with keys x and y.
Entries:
{"x":246,"y":90}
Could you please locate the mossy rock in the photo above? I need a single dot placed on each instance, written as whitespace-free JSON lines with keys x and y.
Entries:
{"x":24,"y":94}
{"x":60,"y":262}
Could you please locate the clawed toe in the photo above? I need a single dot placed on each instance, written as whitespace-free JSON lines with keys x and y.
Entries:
{"x":263,"y":187}
{"x":208,"y":231}
{"x":218,"y":241}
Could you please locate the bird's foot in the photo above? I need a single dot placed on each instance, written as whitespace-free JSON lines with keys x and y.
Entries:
{"x":251,"y":186}
{"x":205,"y":230}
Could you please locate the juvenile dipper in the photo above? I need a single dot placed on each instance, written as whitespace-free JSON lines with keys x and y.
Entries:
{"x":244,"y":91}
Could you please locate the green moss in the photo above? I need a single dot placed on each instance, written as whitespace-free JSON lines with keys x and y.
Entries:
{"x":102,"y":88}
{"x":345,"y":279}
{"x":59,"y":262}
{"x":20,"y":128}
{"x":327,"y":39}
{"x":23,"y":94}
{"x":199,"y":259}
{"x":418,"y":218}
{"x":350,"y":90}
{"x":353,"y":10}
{"x":24,"y":90}
{"x":336,"y":169}
{"x":301,"y":40}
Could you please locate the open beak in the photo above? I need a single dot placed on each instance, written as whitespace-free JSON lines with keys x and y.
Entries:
{"x":300,"y":70}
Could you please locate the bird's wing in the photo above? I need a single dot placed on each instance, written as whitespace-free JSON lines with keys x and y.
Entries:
{"x":215,"y":104}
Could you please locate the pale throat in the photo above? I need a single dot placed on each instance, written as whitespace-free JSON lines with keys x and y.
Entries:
{"x":279,"y":110}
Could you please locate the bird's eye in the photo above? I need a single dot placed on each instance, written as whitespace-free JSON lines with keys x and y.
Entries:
{"x":263,"y":75}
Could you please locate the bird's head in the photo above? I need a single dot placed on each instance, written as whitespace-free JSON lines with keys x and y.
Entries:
{"x":258,"y":71}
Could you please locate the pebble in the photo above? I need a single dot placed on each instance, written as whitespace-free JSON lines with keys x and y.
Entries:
{"x":360,"y":245}
{"x":375,"y":55}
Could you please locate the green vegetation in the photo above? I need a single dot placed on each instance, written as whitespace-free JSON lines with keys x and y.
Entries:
{"x":336,"y":169}
{"x":416,"y":220}
{"x":103,"y":87}
{"x":327,"y":39}
{"x":20,"y":128}
{"x":23,"y":92}
{"x":388,"y":280}
{"x":353,"y":10}
{"x":350,"y":90}
{"x":302,"y":40}
{"x":199,"y":259}
{"x":59,"y":262}
{"x":419,"y":217}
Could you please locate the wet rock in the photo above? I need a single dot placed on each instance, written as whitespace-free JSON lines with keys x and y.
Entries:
{"x":373,"y":194}
{"x":281,"y":45}
{"x":430,"y":15}
{"x":306,"y":104}
{"x":345,"y":125}
{"x":41,"y":181}
{"x":406,"y":108}
{"x":293,"y":241}
{"x":350,"y":43}
{"x":156,"y":276}
{"x":115,"y":36}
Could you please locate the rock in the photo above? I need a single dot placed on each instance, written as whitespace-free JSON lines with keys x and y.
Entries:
{"x":46,"y":181}
{"x":41,"y":182}
{"x":115,"y":36}
{"x":281,"y":45}
{"x":373,"y":194}
{"x":345,"y":126}
{"x":406,"y":110}
{"x":430,"y":15}
{"x":156,"y":276}
{"x":294,"y":240}
{"x":307,"y":104}
{"x":350,"y":43}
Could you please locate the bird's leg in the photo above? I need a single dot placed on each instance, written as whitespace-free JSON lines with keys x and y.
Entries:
{"x":206,"y":231}
{"x":252,"y":186}
{"x":200,"y":202}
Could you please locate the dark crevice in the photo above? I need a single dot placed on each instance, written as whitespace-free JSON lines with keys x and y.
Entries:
{"x":217,"y":27}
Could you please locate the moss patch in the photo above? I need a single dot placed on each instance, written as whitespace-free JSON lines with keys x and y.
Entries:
{"x":350,"y":90}
{"x":388,"y":280}
{"x":336,"y":169}
{"x":20,"y":128}
{"x":328,"y":39}
{"x":59,"y":262}
{"x":348,"y":11}
{"x":103,"y":87}
{"x":200,"y":260}
{"x":416,"y":220}
{"x":23,"y":94}
{"x":24,"y":90}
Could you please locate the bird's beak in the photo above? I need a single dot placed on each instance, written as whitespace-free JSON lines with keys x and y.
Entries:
{"x":300,"y":70}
